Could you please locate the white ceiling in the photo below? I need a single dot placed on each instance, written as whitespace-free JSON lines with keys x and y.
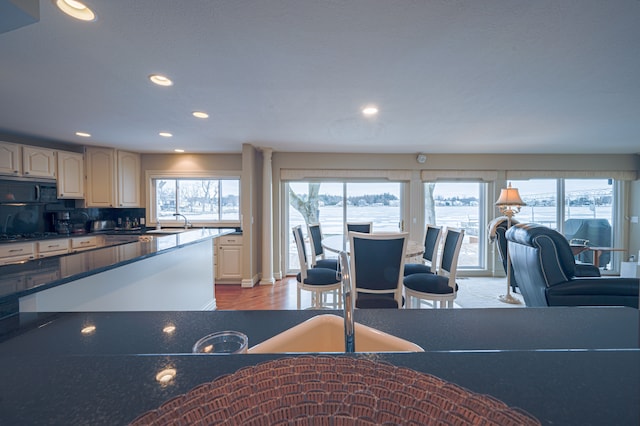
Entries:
{"x":449,"y":76}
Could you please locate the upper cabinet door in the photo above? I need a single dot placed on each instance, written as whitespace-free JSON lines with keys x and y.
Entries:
{"x":128,"y":179}
{"x":100,"y":170}
{"x":70,"y":175}
{"x":38,"y":162}
{"x":10,"y":163}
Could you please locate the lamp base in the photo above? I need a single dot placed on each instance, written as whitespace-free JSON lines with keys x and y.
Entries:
{"x":507,"y":298}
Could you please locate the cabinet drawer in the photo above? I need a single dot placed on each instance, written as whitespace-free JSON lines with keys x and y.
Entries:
{"x":84,"y":243}
{"x":17,"y":250}
{"x":230,"y":240}
{"x":53,"y":247}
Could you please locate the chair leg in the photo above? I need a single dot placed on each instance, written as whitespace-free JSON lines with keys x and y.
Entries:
{"x":298,"y":298}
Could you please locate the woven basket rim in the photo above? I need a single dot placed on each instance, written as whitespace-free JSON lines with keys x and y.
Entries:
{"x":332,"y":390}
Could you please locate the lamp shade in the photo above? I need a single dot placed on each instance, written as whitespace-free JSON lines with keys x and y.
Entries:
{"x":510,"y":197}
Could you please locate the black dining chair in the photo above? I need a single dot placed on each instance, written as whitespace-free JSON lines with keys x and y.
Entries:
{"x":318,"y":259}
{"x":439,"y":288}
{"x":376,"y":267}
{"x":431,"y":243}
{"x":316,"y":280}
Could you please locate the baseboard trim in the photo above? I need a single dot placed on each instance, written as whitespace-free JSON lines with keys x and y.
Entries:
{"x":251,"y":282}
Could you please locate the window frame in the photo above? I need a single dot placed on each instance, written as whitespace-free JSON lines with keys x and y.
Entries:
{"x":287,"y":237}
{"x":153,"y":175}
{"x":484,"y":207}
{"x":619,"y":206}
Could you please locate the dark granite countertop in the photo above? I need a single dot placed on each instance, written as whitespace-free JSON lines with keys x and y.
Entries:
{"x":41,"y":274}
{"x":563,"y":365}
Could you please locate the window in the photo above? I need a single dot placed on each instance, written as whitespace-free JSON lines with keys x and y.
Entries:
{"x":541,"y":197}
{"x":581,"y":209}
{"x":201,"y":200}
{"x":333,"y":203}
{"x":460,"y":205}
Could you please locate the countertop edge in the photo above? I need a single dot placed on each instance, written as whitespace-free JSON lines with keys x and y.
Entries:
{"x":33,"y":267}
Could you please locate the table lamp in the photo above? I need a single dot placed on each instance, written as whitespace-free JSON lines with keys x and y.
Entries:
{"x":509,"y":203}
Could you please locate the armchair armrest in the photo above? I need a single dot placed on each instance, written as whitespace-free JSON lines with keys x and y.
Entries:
{"x":587,"y":270}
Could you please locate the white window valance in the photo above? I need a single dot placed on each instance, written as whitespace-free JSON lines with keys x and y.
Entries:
{"x":572,"y":174}
{"x":453,"y":175}
{"x":333,"y":174}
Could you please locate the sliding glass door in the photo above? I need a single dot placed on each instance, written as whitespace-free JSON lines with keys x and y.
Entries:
{"x":581,"y":209}
{"x":332,"y":204}
{"x":460,"y":205}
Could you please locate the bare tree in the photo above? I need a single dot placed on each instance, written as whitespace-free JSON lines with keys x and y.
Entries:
{"x":210,"y":196}
{"x":430,"y":205}
{"x":309,"y":207}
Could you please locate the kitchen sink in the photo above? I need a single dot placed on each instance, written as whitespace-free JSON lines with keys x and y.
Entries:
{"x":325,"y":333}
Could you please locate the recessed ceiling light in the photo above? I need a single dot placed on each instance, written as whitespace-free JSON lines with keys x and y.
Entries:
{"x":178,"y":150}
{"x":160,"y":80}
{"x":200,"y":114}
{"x":83,"y":134}
{"x":75,"y":9}
{"x":165,"y":134}
{"x":370,"y":110}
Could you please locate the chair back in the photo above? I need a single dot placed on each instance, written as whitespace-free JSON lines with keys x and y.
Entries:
{"x":362,"y":227}
{"x":377,"y":263}
{"x":450,"y":253}
{"x":315,"y":240}
{"x":541,"y":258}
{"x":431,"y":244}
{"x":302,"y":251}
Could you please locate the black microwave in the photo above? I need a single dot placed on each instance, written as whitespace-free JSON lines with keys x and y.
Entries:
{"x":20,"y":191}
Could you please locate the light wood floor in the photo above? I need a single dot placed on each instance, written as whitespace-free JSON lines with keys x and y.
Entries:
{"x":475,"y":292}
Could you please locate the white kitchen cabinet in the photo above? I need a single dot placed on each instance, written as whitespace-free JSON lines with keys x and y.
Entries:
{"x":84,"y":243}
{"x":70,"y":175}
{"x":228,"y":259}
{"x":100,"y":170}
{"x":128,"y":178}
{"x":38,"y":162}
{"x":10,"y":159}
{"x":113,"y":178}
{"x":48,"y":248}
{"x":16,"y":252}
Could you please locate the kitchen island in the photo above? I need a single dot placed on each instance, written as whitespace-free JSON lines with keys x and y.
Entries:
{"x":562,"y":365}
{"x":155,"y":272}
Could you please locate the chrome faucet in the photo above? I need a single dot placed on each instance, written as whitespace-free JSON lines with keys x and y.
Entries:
{"x":348,"y":301}
{"x":186,"y":221}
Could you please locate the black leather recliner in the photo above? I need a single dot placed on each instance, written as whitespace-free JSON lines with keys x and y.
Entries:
{"x":497,"y":233}
{"x":545,"y":269}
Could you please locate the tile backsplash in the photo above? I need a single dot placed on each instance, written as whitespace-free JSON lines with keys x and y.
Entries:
{"x":38,"y":218}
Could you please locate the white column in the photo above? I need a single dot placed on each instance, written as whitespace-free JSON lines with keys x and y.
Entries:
{"x":267,"y":219}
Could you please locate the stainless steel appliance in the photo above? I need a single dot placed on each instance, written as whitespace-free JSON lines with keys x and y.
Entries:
{"x":62,"y":224}
{"x":27,"y":192}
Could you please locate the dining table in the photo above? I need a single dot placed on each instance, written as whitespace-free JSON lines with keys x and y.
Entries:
{"x":338,"y":243}
{"x":597,"y":251}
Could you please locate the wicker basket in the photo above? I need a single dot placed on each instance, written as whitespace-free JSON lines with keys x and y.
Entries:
{"x":325,"y":390}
